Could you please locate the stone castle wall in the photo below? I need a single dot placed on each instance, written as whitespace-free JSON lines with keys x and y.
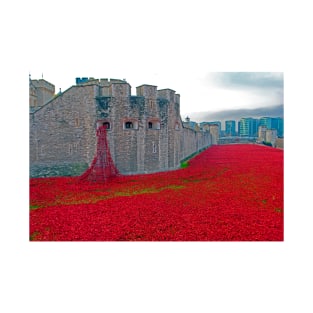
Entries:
{"x":62,"y":136}
{"x":145,"y":132}
{"x":40,"y":92}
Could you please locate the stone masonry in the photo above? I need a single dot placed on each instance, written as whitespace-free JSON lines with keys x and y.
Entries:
{"x":40,"y":92}
{"x":145,"y":132}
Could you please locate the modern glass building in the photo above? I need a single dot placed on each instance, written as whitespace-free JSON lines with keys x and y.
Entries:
{"x":248,"y":127}
{"x":280,"y":127}
{"x":266,"y":121}
{"x":230,"y":128}
{"x":273,"y":123}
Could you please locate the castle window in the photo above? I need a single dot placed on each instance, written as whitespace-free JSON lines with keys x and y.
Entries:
{"x":177,"y":127}
{"x":154,"y":124}
{"x":154,"y":147}
{"x":129,"y":125}
{"x":106,"y":125}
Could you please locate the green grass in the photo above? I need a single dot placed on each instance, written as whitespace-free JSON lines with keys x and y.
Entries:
{"x":69,"y":198}
{"x":145,"y":190}
{"x":184,"y":164}
{"x":33,"y":207}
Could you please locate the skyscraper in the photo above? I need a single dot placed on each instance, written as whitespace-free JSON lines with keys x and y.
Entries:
{"x":273,"y":123}
{"x":230,"y":128}
{"x":266,"y":121}
{"x":248,"y":127}
{"x":280,"y":127}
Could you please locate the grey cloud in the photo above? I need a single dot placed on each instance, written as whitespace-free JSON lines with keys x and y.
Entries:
{"x":271,"y":111}
{"x":248,"y":80}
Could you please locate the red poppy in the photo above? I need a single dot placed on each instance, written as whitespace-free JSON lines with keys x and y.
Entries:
{"x":227,"y":193}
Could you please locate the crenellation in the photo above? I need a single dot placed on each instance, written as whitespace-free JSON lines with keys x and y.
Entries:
{"x":167,"y":94}
{"x":145,"y":132}
{"x":147,"y":91}
{"x":104,"y":82}
{"x":120,"y":90}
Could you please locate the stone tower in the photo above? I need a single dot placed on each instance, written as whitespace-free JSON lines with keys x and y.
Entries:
{"x":145,"y":132}
{"x":40,"y":92}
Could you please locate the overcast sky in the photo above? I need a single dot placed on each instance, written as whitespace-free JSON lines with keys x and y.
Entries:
{"x":233,"y":95}
{"x":160,"y":43}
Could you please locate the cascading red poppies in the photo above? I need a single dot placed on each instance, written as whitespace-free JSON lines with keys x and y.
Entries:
{"x":102,"y":167}
{"x":227,"y":193}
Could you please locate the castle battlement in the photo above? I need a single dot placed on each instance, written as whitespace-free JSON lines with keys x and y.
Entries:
{"x":99,"y":81}
{"x":145,"y":132}
{"x":147,"y":91}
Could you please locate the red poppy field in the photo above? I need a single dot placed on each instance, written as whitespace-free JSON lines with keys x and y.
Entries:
{"x":226,"y":193}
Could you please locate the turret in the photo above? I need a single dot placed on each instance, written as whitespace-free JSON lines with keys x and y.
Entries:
{"x":167,"y":94}
{"x":120,"y":89}
{"x":147,"y":91}
{"x":40,"y":92}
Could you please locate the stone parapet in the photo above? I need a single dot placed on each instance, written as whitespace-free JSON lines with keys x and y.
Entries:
{"x":145,"y":132}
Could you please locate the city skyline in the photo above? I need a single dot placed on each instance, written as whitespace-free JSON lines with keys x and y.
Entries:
{"x":223,"y":122}
{"x":237,"y":114}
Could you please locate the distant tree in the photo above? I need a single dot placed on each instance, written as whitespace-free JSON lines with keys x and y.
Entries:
{"x":267,"y":143}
